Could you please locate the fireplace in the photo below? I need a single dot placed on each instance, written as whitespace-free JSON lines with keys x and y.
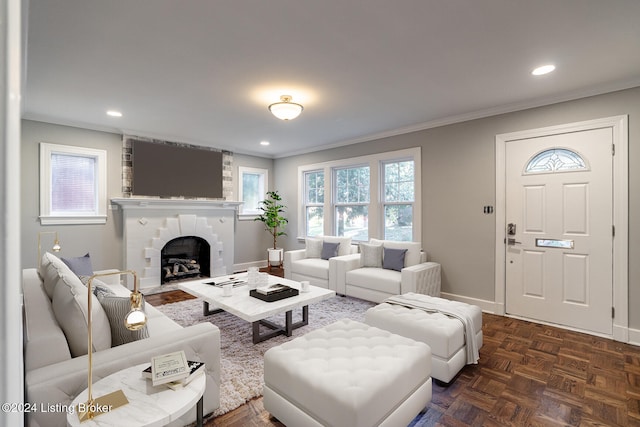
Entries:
{"x":186,"y":257}
{"x":149,"y":224}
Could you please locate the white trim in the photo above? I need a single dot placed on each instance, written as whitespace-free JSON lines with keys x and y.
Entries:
{"x":47,"y":217}
{"x":620,"y":133}
{"x":485,"y":306}
{"x":11,"y":327}
{"x":250,"y":214}
{"x":374,"y":161}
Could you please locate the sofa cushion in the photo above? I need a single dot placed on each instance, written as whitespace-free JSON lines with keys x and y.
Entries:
{"x":329,"y":250}
{"x":313,"y":247}
{"x":413,"y":250}
{"x":116,"y":309}
{"x":393,"y":259}
{"x":314,"y":267}
{"x":345,"y":243}
{"x":49,"y":271}
{"x":70,"y":306}
{"x":371,"y":255}
{"x":81,"y":265}
{"x":376,"y":279}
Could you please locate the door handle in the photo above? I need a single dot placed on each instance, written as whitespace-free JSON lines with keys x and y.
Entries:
{"x":511,"y":241}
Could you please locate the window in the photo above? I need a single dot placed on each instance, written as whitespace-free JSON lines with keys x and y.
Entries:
{"x":555,"y":160}
{"x":314,"y":202}
{"x":352,"y":189}
{"x":398,"y":198}
{"x":370,"y":196}
{"x":252,"y":188}
{"x":73,"y":185}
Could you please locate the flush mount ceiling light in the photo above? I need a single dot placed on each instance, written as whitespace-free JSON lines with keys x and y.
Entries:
{"x":285,"y":109}
{"x":114,"y":113}
{"x":545,"y":69}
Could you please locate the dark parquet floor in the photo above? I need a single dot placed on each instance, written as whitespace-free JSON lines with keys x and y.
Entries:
{"x":528,"y":375}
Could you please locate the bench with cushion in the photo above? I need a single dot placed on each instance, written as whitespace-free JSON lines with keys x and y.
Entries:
{"x":347,"y":374}
{"x":443,"y":333}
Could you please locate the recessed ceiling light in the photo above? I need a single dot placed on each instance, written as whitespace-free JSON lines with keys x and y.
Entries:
{"x":114,"y":113}
{"x":545,"y":69}
{"x":265,"y":143}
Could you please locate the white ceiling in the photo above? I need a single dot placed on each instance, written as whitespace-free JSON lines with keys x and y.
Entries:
{"x":204,"y":71}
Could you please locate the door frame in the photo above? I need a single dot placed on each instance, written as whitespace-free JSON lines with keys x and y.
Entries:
{"x":620,"y":134}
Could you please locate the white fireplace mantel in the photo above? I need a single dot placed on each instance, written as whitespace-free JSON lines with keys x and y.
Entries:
{"x":149,"y":223}
{"x":155,"y":203}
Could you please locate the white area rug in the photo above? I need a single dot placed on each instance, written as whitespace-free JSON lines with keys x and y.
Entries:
{"x":242,"y":361}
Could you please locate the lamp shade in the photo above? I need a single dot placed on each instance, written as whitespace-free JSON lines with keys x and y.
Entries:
{"x":285,"y":110}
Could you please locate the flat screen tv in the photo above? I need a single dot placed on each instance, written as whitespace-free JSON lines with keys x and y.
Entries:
{"x":174,"y":170}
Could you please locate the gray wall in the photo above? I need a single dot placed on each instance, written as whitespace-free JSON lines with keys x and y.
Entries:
{"x":104,"y":242}
{"x":458,"y":179}
{"x":458,"y":168}
{"x":252,"y":240}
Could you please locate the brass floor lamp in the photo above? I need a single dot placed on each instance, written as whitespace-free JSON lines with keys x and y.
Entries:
{"x":134,"y":320}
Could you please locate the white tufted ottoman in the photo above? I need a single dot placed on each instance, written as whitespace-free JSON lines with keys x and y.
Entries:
{"x":445,"y":335}
{"x":347,"y":374}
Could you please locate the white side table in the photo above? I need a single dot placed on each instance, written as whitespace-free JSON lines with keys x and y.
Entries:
{"x":148,"y":406}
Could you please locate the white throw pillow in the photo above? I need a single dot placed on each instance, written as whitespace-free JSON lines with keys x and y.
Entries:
{"x":313,"y":247}
{"x":371,"y":255}
{"x":70,"y":306}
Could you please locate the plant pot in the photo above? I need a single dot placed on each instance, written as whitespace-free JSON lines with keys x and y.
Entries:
{"x":276,"y":257}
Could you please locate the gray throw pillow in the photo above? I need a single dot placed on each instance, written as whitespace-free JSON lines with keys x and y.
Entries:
{"x":80,"y":265}
{"x":313,"y":247}
{"x":393,"y":259}
{"x":117,"y":309}
{"x":329,"y":250}
{"x":371,"y":255}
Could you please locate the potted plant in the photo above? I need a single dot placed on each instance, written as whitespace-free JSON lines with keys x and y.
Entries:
{"x":271,"y":216}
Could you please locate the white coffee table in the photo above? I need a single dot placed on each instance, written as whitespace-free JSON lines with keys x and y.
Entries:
{"x":254,"y":310}
{"x":148,"y":406}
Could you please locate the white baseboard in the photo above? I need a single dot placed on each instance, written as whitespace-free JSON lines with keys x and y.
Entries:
{"x":620,"y":333}
{"x":485,"y":306}
{"x":245,"y":265}
{"x":634,"y":336}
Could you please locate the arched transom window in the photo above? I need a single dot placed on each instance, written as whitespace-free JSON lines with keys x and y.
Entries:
{"x":555,"y":160}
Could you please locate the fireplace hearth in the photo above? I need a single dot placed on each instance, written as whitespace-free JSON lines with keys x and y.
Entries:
{"x":185,"y":257}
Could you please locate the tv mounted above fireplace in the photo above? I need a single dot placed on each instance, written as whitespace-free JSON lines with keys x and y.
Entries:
{"x":175,"y":170}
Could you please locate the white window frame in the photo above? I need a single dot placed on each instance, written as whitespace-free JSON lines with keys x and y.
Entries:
{"x":305,"y":202}
{"x":383,"y":200}
{"x":47,"y":217}
{"x":376,"y":214}
{"x":336,"y":204}
{"x":245,"y":213}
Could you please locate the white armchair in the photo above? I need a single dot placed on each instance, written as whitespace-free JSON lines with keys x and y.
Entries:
{"x":367,"y":276}
{"x":309,"y":263}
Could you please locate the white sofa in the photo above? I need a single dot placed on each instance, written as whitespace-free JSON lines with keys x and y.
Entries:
{"x":54,"y":376}
{"x":308,"y":264}
{"x":360,"y":277}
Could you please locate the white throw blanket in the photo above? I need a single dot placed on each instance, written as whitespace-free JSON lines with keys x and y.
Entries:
{"x":439,"y":305}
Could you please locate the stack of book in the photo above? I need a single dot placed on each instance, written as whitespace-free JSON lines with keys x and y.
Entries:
{"x":173,"y":369}
{"x":274,"y":292}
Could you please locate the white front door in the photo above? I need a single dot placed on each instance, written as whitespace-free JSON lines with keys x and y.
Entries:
{"x":559,"y":220}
